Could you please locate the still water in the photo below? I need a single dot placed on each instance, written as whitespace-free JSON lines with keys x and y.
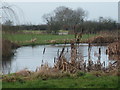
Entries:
{"x":31,"y":57}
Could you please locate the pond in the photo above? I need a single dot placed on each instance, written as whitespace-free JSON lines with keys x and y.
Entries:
{"x":32,"y":57}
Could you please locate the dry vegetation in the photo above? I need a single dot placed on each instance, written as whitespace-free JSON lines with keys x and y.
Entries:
{"x":76,"y":63}
{"x":114,"y":48}
{"x":101,"y":39}
{"x":104,"y":37}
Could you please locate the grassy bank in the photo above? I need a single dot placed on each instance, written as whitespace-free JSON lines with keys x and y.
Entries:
{"x":26,"y":39}
{"x":80,"y":81}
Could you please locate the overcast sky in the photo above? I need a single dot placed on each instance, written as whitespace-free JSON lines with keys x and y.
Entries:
{"x":33,"y":11}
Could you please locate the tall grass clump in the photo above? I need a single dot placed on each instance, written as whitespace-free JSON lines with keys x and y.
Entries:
{"x":7,"y":48}
{"x":45,"y":72}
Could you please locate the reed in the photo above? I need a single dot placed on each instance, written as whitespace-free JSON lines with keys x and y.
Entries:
{"x":76,"y":62}
{"x":44,"y":72}
{"x":114,"y":48}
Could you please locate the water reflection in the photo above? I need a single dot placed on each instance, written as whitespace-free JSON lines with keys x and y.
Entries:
{"x":6,"y":65}
{"x":32,"y":57}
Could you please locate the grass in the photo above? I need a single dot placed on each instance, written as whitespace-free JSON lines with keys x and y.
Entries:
{"x":83,"y":81}
{"x":41,"y":38}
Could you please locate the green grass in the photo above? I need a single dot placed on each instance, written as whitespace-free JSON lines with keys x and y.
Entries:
{"x":84,"y":81}
{"x":41,"y":38}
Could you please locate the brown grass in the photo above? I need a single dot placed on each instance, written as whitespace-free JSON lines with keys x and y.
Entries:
{"x":44,"y":72}
{"x":24,"y":73}
{"x":103,"y":39}
{"x":114,"y":48}
{"x":114,"y":57}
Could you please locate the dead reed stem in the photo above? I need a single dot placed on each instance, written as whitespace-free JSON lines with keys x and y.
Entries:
{"x":77,"y":63}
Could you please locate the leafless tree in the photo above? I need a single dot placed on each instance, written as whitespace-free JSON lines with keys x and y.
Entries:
{"x":64,"y":16}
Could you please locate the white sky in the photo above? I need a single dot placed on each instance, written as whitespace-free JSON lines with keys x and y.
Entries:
{"x":33,"y":11}
{"x":61,"y":0}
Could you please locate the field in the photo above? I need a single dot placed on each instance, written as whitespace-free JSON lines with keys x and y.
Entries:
{"x":26,"y":39}
{"x":85,"y":81}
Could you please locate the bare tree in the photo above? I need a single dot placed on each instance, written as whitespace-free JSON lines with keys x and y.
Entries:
{"x":64,"y":16}
{"x":53,"y":25}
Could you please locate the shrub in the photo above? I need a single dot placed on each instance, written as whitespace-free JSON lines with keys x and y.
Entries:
{"x":7,"y":47}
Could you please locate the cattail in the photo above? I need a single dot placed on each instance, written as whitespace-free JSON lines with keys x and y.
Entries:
{"x":99,"y":50}
{"x":106,"y":51}
{"x":58,"y":53}
{"x":44,"y":50}
{"x":42,"y":61}
{"x":67,"y":50}
{"x":104,"y":63}
{"x":62,"y":52}
{"x":54,"y":59}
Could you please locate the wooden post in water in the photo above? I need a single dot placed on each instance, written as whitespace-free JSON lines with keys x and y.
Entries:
{"x":99,"y":57}
{"x":99,"y":50}
{"x":54,"y":59}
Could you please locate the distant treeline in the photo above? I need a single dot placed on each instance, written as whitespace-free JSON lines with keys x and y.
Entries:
{"x":94,"y":26}
{"x":24,"y":27}
{"x":87,"y":26}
